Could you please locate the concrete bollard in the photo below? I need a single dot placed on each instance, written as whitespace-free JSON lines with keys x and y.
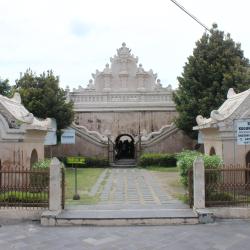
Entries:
{"x":199,"y":183}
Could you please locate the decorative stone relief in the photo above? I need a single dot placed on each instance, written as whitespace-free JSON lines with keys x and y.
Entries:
{"x":123,"y":75}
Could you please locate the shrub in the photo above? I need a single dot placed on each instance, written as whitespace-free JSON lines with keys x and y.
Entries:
{"x":157,"y":159}
{"x":96,"y":162}
{"x":43,"y":164}
{"x":185,"y":161}
{"x":39,"y":179}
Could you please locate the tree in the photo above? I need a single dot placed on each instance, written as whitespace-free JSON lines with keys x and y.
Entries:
{"x":42,"y":96}
{"x":5,"y":88}
{"x":217,"y":64}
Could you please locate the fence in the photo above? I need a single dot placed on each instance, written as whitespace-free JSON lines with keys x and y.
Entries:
{"x":63,"y":187}
{"x":224,"y":187}
{"x":24,"y":188}
{"x":227,"y":187}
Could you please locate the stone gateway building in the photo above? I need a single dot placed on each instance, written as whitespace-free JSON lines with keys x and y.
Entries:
{"x":124,"y":111}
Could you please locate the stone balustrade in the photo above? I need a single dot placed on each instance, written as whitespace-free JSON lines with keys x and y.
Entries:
{"x":120,"y":97}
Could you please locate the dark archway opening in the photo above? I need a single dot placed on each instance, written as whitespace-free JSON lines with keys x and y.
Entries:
{"x":124,"y":147}
{"x":248,"y":166}
{"x":212,"y":151}
{"x":33,"y":158}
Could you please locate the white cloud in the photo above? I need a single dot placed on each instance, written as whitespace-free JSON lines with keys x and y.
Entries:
{"x":75,"y":37}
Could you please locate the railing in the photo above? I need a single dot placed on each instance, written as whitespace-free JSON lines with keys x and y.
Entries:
{"x":227,"y":187}
{"x":190,"y":188}
{"x":24,"y":188}
{"x":63,"y":187}
{"x":224,"y":187}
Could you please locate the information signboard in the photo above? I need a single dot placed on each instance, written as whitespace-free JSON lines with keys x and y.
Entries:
{"x":76,"y":160}
{"x":243,"y":132}
{"x":50,"y":138}
{"x":68,"y":136}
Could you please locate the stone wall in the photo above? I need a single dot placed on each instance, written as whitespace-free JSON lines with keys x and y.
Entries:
{"x":18,"y":154}
{"x":83,"y":147}
{"x":125,"y":122}
{"x":176,"y":142}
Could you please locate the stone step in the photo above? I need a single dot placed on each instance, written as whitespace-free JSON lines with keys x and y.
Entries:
{"x":123,"y":217}
{"x":114,"y":165}
{"x":123,"y":163}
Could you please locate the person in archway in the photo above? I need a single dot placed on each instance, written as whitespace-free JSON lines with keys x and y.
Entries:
{"x":131,"y":149}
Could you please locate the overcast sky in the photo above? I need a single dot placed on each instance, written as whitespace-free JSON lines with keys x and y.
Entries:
{"x":76,"y":37}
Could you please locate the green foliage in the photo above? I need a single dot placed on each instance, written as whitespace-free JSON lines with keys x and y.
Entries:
{"x":44,"y":164}
{"x":220,"y":197}
{"x":154,"y":159}
{"x":217,"y":64}
{"x":185,"y":161}
{"x":24,"y":197}
{"x":5,"y":88}
{"x":96,"y":162}
{"x":43,"y":97}
{"x":39,"y":179}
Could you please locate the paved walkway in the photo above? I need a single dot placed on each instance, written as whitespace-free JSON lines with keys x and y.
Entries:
{"x":225,"y":235}
{"x":134,"y":187}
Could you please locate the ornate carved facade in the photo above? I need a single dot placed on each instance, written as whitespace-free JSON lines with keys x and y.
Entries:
{"x":124,"y":98}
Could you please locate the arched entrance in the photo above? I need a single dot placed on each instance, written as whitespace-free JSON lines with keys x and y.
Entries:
{"x":124,"y":147}
{"x":212,"y":151}
{"x":248,"y":166}
{"x":33,"y":157}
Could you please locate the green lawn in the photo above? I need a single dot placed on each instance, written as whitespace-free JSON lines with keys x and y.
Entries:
{"x":86,"y":178}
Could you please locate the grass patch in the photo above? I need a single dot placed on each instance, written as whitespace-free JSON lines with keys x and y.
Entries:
{"x":86,"y":178}
{"x":162,"y":169}
{"x":183,"y":197}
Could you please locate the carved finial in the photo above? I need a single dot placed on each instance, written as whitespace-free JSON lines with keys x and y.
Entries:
{"x":230,"y":93}
{"x":123,"y":44}
{"x":107,"y":65}
{"x":200,"y":119}
{"x":140,"y":65}
{"x":17,"y":98}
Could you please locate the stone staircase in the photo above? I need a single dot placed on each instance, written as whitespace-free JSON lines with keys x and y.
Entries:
{"x":112,"y":216}
{"x":123,"y":163}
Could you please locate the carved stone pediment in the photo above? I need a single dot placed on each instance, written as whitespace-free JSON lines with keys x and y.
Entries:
{"x":123,"y":75}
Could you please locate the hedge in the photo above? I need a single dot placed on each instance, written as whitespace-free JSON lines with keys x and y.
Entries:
{"x":157,"y":159}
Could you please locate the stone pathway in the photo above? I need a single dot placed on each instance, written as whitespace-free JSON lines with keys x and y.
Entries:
{"x":134,"y":187}
{"x":221,"y":235}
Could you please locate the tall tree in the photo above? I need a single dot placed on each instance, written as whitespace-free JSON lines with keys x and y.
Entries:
{"x":43,"y":97}
{"x":217,"y":64}
{"x":5,"y":88}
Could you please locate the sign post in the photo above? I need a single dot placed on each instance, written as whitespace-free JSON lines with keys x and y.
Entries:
{"x":76,"y":160}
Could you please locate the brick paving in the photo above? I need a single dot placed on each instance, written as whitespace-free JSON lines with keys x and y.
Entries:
{"x":133,"y":186}
{"x":221,"y":235}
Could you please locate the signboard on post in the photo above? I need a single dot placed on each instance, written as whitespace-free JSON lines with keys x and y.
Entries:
{"x":76,"y":160}
{"x":243,"y":132}
{"x":68,"y":136}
